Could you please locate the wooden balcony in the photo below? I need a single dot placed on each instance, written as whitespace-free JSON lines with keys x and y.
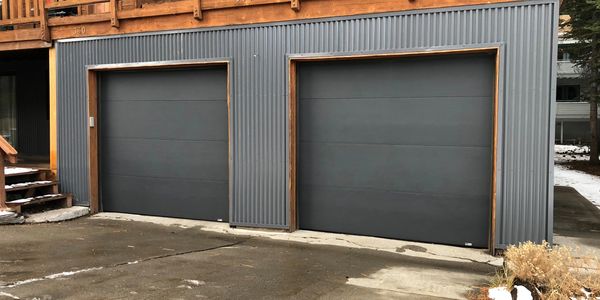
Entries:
{"x":36,"y":23}
{"x":23,"y":24}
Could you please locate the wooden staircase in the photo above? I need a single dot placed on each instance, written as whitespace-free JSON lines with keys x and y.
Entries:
{"x":27,"y":187}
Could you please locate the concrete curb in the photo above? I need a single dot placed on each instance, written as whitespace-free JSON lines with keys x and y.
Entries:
{"x":413,"y":249}
{"x":57,"y":215}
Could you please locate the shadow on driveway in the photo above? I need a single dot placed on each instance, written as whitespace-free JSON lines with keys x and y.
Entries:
{"x":576,"y":221}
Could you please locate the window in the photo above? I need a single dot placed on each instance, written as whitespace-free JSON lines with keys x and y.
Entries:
{"x":8,"y":109}
{"x":567,"y":93}
{"x":563,"y":55}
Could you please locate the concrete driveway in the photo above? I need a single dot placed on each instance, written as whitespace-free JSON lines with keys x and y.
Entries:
{"x":107,"y":258}
{"x":576,"y":222}
{"x":112,"y":256}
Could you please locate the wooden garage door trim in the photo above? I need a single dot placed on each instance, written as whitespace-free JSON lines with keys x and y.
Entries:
{"x":293,"y":119}
{"x":93,"y":116}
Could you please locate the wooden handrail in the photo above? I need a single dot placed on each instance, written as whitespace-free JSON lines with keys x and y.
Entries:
{"x":8,"y":153}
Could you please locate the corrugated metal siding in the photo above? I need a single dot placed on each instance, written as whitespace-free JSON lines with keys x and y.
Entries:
{"x":259,"y":97}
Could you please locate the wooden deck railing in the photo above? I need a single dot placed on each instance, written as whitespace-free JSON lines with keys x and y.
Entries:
{"x":7,"y":153}
{"x":25,"y":14}
{"x":18,"y":12}
{"x":31,"y":20}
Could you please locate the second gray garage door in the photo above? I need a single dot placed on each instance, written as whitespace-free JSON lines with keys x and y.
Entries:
{"x":397,"y":148}
{"x":163,"y":143}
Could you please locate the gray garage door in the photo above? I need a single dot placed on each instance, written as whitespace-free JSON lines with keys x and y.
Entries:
{"x":397,"y":148}
{"x":164,"y":148}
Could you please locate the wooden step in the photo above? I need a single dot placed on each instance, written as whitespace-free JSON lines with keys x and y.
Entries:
{"x":29,"y":185}
{"x":18,"y":171}
{"x":65,"y":201}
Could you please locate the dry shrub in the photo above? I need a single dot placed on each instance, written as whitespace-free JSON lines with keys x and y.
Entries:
{"x":554,"y":272}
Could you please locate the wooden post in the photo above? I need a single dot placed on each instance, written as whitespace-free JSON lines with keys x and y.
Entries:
{"x":13,"y":9}
{"x":53,"y":109}
{"x":28,"y":8}
{"x":114,"y":19}
{"x":7,"y":153}
{"x":5,"y":5}
{"x":44,"y":21}
{"x":2,"y":184}
{"x":198,"y":9}
{"x":295,"y":5}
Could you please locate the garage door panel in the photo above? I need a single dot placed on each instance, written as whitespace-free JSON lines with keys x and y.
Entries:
{"x":446,"y":121}
{"x":462,"y":76}
{"x":150,"y":85}
{"x":388,"y":214}
{"x":397,"y":148}
{"x":164,"y":142}
{"x":177,"y":198}
{"x":164,"y":158}
{"x":437,"y":170}
{"x":195,"y":120}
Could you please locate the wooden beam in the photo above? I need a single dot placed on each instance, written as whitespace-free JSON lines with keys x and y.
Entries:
{"x":85,"y":19}
{"x":492,"y":240}
{"x":23,"y":45}
{"x":197,"y":9}
{"x":45,"y":36}
{"x":167,"y":16}
{"x":114,"y":18}
{"x":72,"y":3}
{"x":165,"y":9}
{"x":293,"y":146}
{"x":20,"y":35}
{"x":93,"y":142}
{"x":295,"y":5}
{"x":2,"y":184}
{"x":53,"y":107}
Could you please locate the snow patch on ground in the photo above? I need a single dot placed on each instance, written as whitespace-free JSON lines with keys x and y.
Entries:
{"x":194,"y":282}
{"x":571,"y":149}
{"x":586,"y":184}
{"x":414,"y":280}
{"x":50,"y":277}
{"x":11,"y":296}
{"x":499,"y":293}
{"x":567,"y":153}
{"x":502,"y":293}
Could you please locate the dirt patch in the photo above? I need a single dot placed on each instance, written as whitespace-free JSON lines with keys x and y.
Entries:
{"x":584,"y":166}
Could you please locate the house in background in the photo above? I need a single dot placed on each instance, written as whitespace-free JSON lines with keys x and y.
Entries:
{"x":420,"y":120}
{"x":572,"y":113}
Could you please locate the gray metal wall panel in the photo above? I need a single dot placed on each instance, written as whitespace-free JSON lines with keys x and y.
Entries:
{"x":259,"y":110}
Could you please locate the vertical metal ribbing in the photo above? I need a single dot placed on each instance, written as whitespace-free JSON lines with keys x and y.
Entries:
{"x":259,"y":138}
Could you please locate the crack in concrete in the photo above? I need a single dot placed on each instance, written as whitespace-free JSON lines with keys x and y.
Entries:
{"x":71,"y":273}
